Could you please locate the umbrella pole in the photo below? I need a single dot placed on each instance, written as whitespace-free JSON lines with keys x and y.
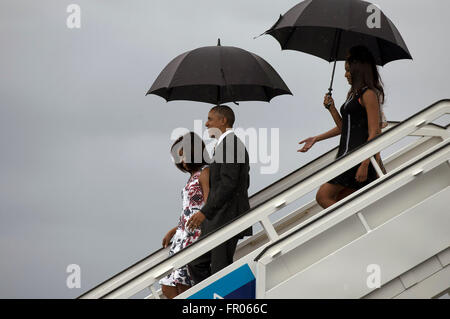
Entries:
{"x":337,"y":41}
{"x":332,"y":78}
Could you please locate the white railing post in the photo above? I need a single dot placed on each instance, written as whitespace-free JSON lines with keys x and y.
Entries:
{"x":364,"y":222}
{"x":376,"y":166}
{"x":154,"y":292}
{"x":270,"y":230}
{"x":260,"y":280}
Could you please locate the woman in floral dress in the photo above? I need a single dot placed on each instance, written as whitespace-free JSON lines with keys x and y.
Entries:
{"x":194,"y":195}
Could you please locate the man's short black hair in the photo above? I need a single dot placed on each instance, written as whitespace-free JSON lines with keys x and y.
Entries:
{"x":226,"y":112}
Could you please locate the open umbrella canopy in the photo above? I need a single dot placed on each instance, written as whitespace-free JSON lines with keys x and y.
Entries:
{"x":218,"y":74}
{"x":329,"y":28}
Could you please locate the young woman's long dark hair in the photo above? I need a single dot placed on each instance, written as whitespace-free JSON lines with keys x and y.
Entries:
{"x":193,"y":152}
{"x":364,"y":72}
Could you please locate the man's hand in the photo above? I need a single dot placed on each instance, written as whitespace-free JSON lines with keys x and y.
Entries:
{"x":195,"y":221}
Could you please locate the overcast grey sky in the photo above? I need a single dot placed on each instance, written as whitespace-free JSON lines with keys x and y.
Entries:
{"x":86,"y":175}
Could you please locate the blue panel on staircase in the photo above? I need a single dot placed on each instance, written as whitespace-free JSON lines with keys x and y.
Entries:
{"x":240,"y":283}
{"x":247,"y":291}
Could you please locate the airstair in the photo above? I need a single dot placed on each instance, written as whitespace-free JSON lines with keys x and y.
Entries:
{"x":390,"y":239}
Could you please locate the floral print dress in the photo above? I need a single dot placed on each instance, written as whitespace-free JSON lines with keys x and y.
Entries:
{"x":193,"y":201}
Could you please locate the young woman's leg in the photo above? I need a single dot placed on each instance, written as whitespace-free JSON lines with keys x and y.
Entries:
{"x":182,"y":288}
{"x":344,"y":193}
{"x":169,"y":291}
{"x":327,"y":194}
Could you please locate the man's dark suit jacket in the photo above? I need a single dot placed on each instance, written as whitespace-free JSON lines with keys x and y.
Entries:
{"x":229,"y":180}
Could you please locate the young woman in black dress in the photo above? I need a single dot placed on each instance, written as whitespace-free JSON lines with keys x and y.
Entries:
{"x":359,"y":121}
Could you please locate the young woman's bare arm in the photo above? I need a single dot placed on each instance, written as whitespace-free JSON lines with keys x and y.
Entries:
{"x":204,"y":182}
{"x":370,"y":102}
{"x":328,"y":100}
{"x":329,"y":134}
{"x":309,"y":142}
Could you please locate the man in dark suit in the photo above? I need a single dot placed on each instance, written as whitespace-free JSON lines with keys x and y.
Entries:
{"x":228,"y":196}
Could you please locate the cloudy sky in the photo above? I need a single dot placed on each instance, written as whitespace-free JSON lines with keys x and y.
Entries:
{"x":86,"y":175}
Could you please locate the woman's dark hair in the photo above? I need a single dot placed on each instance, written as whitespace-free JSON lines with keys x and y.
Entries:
{"x":194,"y":153}
{"x":364,"y":71}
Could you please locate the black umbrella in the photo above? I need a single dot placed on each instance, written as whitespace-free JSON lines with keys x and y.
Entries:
{"x":218,"y":74}
{"x":329,"y":28}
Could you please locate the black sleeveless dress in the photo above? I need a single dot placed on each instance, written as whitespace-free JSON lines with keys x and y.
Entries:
{"x":354,"y":133}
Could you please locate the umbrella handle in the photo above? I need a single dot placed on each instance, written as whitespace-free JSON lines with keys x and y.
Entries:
{"x":328,"y":105}
{"x":329,"y":93}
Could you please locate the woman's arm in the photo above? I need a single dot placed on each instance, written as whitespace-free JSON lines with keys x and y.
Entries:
{"x":168,"y":237}
{"x":331,"y":133}
{"x":204,"y":182}
{"x":336,"y":117}
{"x":370,"y":102}
{"x":310,"y":141}
{"x":328,"y":100}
